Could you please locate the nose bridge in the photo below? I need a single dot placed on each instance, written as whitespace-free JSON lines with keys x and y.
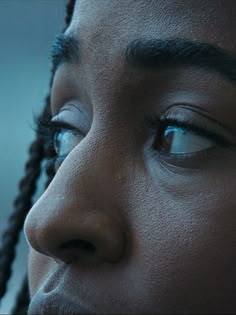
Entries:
{"x":92,"y":169}
{"x":77,"y":212}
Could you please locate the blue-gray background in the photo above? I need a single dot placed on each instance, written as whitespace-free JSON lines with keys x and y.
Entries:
{"x":27,"y":30}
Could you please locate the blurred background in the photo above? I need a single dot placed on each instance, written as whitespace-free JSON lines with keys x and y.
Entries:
{"x":27,"y":31}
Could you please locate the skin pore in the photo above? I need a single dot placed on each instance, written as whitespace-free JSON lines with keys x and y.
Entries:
{"x":136,"y":221}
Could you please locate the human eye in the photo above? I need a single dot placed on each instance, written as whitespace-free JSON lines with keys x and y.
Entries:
{"x":185,"y":139}
{"x":180,"y":139}
{"x":59,"y":138}
{"x":65,"y":140}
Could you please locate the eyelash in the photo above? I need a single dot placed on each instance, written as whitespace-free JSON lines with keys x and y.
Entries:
{"x":47,"y":129}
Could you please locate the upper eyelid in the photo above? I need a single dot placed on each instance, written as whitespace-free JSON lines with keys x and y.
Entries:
{"x":73,"y":113}
{"x":200,"y":111}
{"x":68,"y":107}
{"x":57,"y":125}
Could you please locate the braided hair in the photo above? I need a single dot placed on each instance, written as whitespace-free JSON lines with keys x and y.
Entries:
{"x":38,"y":152}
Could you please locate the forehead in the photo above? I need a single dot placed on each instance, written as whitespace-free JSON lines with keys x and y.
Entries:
{"x":109,"y":20}
{"x":105,"y":28}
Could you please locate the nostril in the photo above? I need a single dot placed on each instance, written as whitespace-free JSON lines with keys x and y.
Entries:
{"x":73,"y":250}
{"x":78,"y":245}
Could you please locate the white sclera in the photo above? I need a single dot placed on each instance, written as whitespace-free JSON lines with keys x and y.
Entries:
{"x":185,"y":141}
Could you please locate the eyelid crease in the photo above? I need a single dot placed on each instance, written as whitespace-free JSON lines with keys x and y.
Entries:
{"x":69,"y":107}
{"x":195,"y":109}
{"x":198,"y":110}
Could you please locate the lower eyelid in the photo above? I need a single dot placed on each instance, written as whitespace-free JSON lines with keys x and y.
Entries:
{"x":188,"y":161}
{"x":188,"y":155}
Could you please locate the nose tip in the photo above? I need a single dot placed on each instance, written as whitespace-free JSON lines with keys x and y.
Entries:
{"x":91,"y":238}
{"x":81,"y":216}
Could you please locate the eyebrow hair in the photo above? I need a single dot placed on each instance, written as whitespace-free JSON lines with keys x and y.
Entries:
{"x":64,"y":49}
{"x":158,"y":53}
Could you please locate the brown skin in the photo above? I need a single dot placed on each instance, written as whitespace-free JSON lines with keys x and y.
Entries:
{"x":164,"y":229}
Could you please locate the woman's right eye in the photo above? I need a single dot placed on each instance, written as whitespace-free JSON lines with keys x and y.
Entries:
{"x":65,"y":140}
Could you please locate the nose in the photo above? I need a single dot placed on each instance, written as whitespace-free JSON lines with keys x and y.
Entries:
{"x":75,"y":219}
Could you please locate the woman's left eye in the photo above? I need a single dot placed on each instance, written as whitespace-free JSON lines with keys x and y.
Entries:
{"x":65,"y":140}
{"x":179,"y":140}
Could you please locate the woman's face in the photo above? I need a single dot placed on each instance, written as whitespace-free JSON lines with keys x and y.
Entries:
{"x":141,"y":214}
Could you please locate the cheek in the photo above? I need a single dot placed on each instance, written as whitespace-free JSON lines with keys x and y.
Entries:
{"x":39,"y":267}
{"x":184,"y":231}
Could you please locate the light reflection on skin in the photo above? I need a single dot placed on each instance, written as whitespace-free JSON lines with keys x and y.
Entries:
{"x":163,"y":226}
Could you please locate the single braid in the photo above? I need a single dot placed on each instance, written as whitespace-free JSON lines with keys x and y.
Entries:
{"x":24,"y":201}
{"x":69,"y":11}
{"x":49,"y":152}
{"x":50,"y":172}
{"x":22,"y":204}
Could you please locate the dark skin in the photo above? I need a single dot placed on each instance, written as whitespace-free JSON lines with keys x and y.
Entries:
{"x":159,"y":228}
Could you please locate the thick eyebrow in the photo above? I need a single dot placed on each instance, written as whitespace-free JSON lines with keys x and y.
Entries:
{"x":157,"y":54}
{"x":65,"y":49}
{"x":170,"y":53}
